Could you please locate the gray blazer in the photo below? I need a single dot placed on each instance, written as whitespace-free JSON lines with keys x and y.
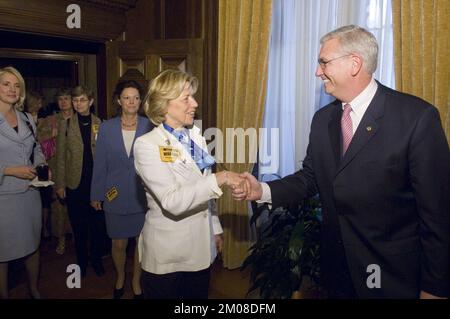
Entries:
{"x":15,"y":150}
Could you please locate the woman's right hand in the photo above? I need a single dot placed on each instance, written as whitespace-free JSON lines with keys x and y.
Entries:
{"x":23,"y":172}
{"x":96,"y":204}
{"x":231,"y":179}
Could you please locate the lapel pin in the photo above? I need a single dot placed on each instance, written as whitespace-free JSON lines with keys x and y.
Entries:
{"x":369,"y":128}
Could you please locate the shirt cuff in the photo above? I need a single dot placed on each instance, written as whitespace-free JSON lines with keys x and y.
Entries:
{"x":266,"y":196}
{"x":214,"y":186}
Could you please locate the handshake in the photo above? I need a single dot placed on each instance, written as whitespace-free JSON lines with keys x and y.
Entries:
{"x":243,"y":186}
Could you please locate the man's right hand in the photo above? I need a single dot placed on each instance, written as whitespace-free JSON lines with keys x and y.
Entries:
{"x":253,"y":189}
{"x":61,"y":193}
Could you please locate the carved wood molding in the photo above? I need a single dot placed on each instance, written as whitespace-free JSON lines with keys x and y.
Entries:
{"x":113,"y":4}
{"x":40,"y":54}
{"x":81,"y":60}
{"x":101,"y":20}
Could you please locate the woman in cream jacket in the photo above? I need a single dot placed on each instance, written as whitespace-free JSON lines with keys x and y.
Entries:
{"x":182,"y":232}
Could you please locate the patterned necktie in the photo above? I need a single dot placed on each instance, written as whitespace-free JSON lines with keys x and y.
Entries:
{"x":200,"y":157}
{"x":183,"y":137}
{"x":346,"y":127}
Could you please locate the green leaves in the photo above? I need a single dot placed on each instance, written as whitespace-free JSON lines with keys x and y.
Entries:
{"x":287,"y":249}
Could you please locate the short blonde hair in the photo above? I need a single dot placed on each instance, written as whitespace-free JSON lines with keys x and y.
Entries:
{"x":22,"y":94}
{"x":166,"y":86}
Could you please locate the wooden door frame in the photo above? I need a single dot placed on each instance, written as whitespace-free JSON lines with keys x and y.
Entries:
{"x":84,"y":76}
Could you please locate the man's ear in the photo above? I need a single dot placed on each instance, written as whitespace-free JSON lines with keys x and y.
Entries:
{"x":357,"y":63}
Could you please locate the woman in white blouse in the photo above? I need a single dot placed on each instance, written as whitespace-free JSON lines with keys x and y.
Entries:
{"x":115,"y":186}
{"x":182,"y":231}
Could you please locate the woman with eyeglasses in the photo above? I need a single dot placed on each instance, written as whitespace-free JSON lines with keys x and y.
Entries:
{"x":115,"y":186}
{"x":75,"y":146}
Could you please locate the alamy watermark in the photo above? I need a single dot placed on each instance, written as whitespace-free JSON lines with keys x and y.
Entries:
{"x":73,"y":21}
{"x":374,"y":279}
{"x":74,"y":279}
{"x":238,"y":145}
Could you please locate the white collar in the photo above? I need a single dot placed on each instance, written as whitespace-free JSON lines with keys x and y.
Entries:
{"x":360,"y":103}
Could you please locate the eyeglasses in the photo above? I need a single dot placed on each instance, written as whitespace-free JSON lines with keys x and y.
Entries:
{"x":80,"y":100}
{"x":323,"y":63}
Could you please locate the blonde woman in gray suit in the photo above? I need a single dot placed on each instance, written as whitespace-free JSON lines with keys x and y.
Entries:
{"x":182,"y":231}
{"x":20,"y":204}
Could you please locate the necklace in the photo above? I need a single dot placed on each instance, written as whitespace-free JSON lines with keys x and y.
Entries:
{"x":128,"y":125}
{"x":85,"y":120}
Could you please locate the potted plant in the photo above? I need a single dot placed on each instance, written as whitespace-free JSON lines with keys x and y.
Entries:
{"x":286,"y":251}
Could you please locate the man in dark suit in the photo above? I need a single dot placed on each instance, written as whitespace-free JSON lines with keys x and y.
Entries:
{"x":380,"y":162}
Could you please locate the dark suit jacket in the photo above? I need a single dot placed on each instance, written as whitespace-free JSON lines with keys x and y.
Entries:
{"x":386,"y":202}
{"x":113,"y":168}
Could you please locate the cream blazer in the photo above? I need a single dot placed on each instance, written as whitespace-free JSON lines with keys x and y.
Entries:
{"x":181,"y":221}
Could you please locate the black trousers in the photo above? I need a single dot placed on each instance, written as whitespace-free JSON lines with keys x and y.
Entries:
{"x":346,"y":291}
{"x":88,"y":226}
{"x":176,"y":285}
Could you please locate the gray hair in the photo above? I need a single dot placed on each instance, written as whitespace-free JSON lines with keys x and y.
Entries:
{"x":354,"y":39}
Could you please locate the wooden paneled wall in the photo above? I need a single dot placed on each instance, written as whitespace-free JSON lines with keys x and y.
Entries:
{"x":140,"y":37}
{"x":162,"y":34}
{"x":100,"y":20}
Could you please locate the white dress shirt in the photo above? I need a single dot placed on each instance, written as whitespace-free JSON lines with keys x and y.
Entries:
{"x":360,"y":103}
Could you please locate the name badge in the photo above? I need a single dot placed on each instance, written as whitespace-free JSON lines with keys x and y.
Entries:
{"x":95,"y":128}
{"x":168,"y":154}
{"x":112,"y":193}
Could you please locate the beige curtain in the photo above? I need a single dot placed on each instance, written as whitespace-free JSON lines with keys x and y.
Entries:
{"x":244,"y":33}
{"x":422,"y":60}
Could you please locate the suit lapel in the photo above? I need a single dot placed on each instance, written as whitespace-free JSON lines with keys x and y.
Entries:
{"x":95,"y":125}
{"x":7,"y":131}
{"x":334,"y":131}
{"x":74,"y":126}
{"x":75,"y":142}
{"x":139,"y":131}
{"x":367,"y":128}
{"x":185,"y":156}
{"x":117,"y":132}
{"x":24,"y":129}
